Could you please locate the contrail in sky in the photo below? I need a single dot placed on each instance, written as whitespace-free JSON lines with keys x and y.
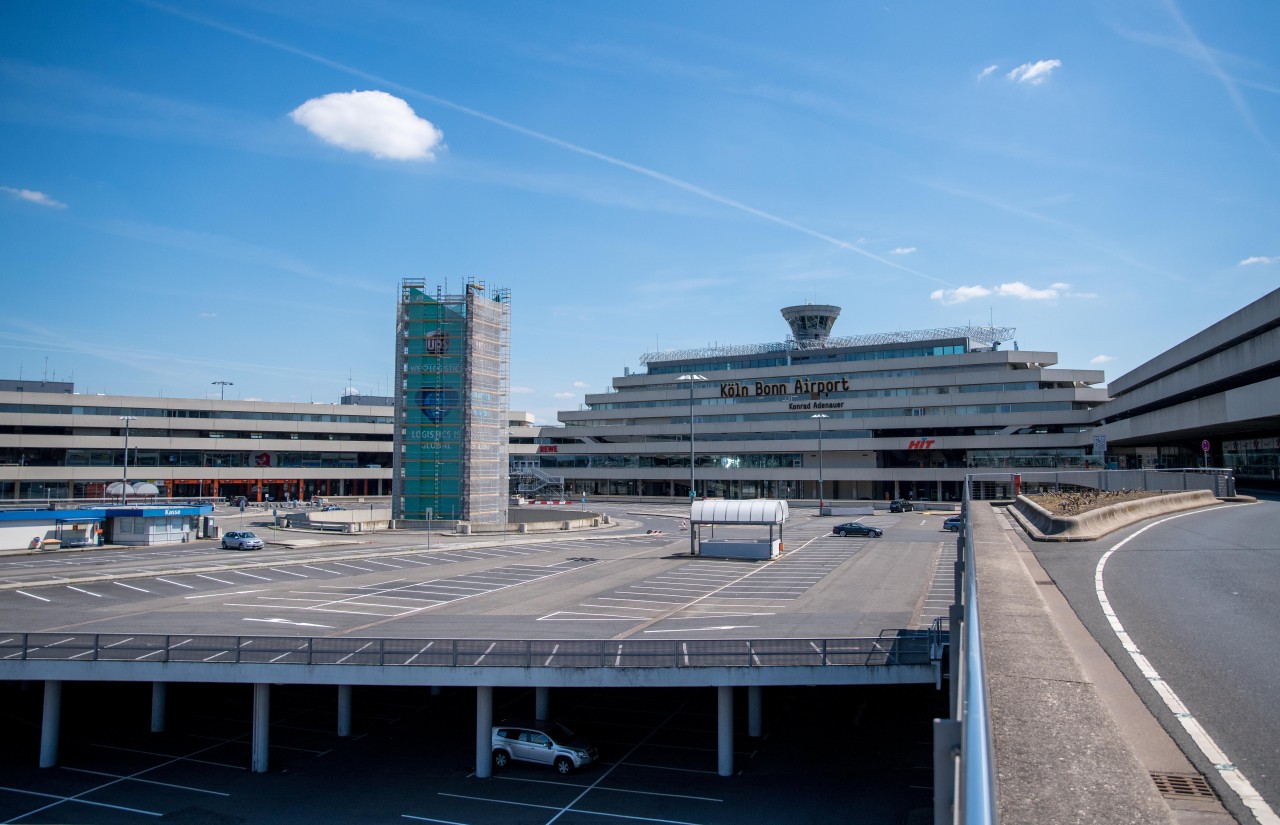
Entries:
{"x":691,"y":188}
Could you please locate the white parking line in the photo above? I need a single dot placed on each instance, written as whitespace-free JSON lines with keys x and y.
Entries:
{"x":212,"y":578}
{"x":72,"y":799}
{"x":33,"y":596}
{"x":147,"y":781}
{"x":78,"y":590}
{"x":179,"y":584}
{"x":220,"y":595}
{"x":131,"y":587}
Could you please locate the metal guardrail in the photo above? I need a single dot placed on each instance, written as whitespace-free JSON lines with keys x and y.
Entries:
{"x":964,"y":778}
{"x":913,"y":649}
{"x":964,"y":773}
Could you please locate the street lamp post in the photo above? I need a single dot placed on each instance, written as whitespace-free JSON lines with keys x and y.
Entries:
{"x":124,"y":476}
{"x":222,"y":388}
{"x":691,"y":377}
{"x":821,"y":501}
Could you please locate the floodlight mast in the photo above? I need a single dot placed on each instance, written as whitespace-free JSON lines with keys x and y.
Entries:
{"x":691,"y":377}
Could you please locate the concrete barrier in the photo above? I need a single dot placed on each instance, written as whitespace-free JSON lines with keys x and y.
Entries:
{"x":1043,"y":525}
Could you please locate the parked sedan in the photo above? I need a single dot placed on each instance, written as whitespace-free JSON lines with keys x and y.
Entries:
{"x":953,"y":523}
{"x":855,"y":528}
{"x":241,"y":540}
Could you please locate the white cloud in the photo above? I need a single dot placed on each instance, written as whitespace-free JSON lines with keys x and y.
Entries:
{"x":982,"y":74}
{"x":374,"y":122}
{"x":1102,"y":359}
{"x":1034,"y":73}
{"x":582,"y":385}
{"x":566,"y":395}
{"x":960,"y":294}
{"x":1017,"y":289}
{"x":1260,"y":259}
{"x":31,"y":196}
{"x":902,"y":250}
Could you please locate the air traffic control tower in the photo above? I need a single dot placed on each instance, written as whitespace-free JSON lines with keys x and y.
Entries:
{"x":453,"y":365}
{"x":811,"y":322}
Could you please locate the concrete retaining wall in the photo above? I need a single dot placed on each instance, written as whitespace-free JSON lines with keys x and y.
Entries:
{"x":1042,"y":525}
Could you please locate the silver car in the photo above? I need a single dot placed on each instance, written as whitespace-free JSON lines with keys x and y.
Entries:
{"x":241,"y":540}
{"x":547,"y":743}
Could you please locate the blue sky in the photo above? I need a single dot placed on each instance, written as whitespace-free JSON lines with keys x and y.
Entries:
{"x":232,"y":190}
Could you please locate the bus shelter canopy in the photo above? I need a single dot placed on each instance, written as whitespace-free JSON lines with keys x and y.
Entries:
{"x":755,"y":511}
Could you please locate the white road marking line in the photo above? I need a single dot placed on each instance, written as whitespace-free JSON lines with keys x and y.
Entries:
{"x":131,"y":587}
{"x":212,"y":578}
{"x":288,"y":572}
{"x":552,"y":655}
{"x":147,"y":781}
{"x":1226,"y":768}
{"x":250,"y":575}
{"x":78,"y":590}
{"x":220,"y":595}
{"x":179,"y":584}
{"x":424,"y":650}
{"x":74,"y":799}
{"x":32,"y":595}
{"x":561,"y":809}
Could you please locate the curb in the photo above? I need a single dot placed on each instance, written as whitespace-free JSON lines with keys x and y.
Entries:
{"x":1042,"y":525}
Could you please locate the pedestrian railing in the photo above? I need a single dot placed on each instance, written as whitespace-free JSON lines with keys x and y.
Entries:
{"x":910,"y":648}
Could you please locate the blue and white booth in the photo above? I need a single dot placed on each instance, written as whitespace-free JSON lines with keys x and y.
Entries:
{"x":154,"y":525}
{"x":50,"y":529}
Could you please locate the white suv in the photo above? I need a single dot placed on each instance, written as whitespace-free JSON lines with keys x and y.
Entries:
{"x":547,"y":743}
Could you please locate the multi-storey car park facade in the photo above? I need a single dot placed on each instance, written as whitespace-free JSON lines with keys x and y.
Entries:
{"x":56,"y":444}
{"x":902,"y":415}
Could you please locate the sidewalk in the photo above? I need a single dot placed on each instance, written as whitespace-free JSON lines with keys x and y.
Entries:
{"x":1072,"y":741}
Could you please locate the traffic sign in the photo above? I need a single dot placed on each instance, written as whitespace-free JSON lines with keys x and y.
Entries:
{"x":1204,"y":445}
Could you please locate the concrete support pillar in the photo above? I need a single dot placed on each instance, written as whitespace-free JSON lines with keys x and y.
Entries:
{"x":344,"y":710}
{"x":724,"y":728}
{"x":49,"y":724}
{"x":542,"y":703}
{"x":159,"y":700}
{"x":755,"y":716}
{"x":261,"y":727}
{"x":484,"y":732}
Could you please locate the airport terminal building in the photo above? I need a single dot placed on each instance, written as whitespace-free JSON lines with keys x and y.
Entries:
{"x":894,"y":415}
{"x":874,"y":416}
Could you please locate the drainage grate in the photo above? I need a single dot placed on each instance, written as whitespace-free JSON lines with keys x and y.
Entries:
{"x":1183,"y":786}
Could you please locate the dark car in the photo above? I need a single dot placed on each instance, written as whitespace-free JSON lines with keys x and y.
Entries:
{"x":899,"y":505}
{"x":854,"y":528}
{"x":953,"y":523}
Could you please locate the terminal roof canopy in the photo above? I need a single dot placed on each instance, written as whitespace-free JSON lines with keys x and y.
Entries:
{"x":753,"y":511}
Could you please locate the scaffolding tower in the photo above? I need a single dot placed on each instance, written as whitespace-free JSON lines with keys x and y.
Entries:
{"x":453,"y":362}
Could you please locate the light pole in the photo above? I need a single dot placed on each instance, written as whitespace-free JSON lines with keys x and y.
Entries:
{"x":691,"y":377}
{"x":222,"y":388}
{"x":820,"y":416}
{"x":124,"y":476}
